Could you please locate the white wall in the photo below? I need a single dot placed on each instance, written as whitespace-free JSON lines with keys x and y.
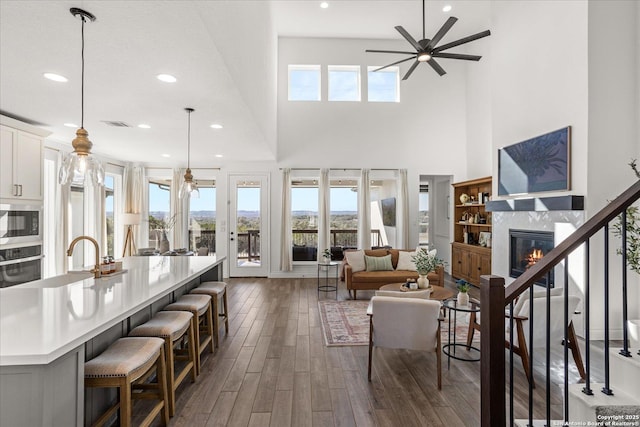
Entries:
{"x":410,"y":134}
{"x":574,"y":63}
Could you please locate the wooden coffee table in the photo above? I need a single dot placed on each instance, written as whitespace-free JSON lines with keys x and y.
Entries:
{"x":437,"y":292}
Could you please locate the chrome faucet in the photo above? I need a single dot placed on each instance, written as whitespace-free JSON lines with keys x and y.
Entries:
{"x":96,"y":269}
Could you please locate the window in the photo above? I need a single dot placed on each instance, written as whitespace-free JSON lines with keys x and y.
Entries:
{"x":113,"y":206}
{"x":423,"y":214}
{"x":343,"y":202}
{"x":304,"y":219}
{"x":108,"y":208}
{"x":202,"y":219}
{"x":344,"y":83}
{"x":304,"y":83}
{"x":383,"y":85}
{"x":159,"y":209}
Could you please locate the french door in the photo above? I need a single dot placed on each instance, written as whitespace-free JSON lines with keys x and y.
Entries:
{"x":249,"y":225}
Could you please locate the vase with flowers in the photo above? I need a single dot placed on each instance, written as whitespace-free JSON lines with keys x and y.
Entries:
{"x":463,"y":292}
{"x":426,"y":262}
{"x":326,"y":256}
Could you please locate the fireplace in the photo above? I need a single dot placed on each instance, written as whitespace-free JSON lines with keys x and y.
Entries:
{"x":526,"y":247}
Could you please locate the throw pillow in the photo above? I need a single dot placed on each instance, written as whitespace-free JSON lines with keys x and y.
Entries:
{"x":405,"y":261}
{"x":378,"y":263}
{"x":356,"y":260}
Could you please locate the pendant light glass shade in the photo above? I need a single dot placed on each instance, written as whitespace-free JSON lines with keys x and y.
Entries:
{"x":189,"y":188}
{"x":80,"y":165}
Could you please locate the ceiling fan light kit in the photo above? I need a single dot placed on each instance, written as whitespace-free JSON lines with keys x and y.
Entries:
{"x":427,"y":49}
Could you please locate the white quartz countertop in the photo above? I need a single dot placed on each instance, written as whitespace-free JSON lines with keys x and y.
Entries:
{"x":43,"y":320}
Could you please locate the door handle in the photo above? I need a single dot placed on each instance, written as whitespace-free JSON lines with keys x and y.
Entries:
{"x":20,"y":189}
{"x":15,"y":190}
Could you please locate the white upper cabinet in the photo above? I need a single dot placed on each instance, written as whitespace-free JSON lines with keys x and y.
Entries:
{"x":21,"y":163}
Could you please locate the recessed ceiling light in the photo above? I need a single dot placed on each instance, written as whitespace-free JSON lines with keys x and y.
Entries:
{"x":324,"y":5}
{"x":447,"y":8}
{"x":55,"y":77}
{"x":71,"y":125}
{"x":144,"y":126}
{"x":167,"y":78}
{"x":216,"y":126}
{"x":218,"y":155}
{"x":166,"y":155}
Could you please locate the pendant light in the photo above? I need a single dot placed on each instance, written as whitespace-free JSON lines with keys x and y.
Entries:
{"x":189,"y":187}
{"x":78,"y":165}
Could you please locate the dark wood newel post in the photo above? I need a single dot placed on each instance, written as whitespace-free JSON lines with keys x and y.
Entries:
{"x":492,"y":360}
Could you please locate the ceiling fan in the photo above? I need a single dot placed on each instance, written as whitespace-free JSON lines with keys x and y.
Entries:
{"x":427,"y":49}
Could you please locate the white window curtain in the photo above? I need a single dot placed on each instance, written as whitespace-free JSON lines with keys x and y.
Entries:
{"x":286,"y":239}
{"x":179,"y":212}
{"x":324,"y":213}
{"x":364,"y":211}
{"x":403,"y":207}
{"x":135,"y":201}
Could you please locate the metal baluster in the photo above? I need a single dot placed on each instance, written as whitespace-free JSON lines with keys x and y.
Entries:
{"x":530,"y":355}
{"x":587,"y":343}
{"x":606,"y":390}
{"x":511,"y":415}
{"x":625,"y":330}
{"x":548,"y":385}
{"x":566,"y":341}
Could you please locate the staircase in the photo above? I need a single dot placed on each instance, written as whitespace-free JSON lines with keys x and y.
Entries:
{"x":625,"y":386}
{"x":612,"y":398}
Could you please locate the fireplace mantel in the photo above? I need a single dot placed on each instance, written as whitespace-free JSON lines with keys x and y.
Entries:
{"x":537,"y":204}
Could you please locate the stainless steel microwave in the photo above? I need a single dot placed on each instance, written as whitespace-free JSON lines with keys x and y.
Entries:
{"x":20,"y":224}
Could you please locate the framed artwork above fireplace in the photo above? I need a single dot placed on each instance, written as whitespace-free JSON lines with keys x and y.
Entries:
{"x":536,"y":165}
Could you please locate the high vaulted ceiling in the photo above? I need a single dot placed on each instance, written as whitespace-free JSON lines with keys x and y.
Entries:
{"x":223,"y":54}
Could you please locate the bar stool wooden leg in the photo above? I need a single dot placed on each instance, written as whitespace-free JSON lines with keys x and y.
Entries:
{"x":216,"y":324}
{"x":226,"y":312}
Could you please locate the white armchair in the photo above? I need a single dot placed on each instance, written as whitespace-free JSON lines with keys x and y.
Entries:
{"x":521,"y":317}
{"x":410,"y":323}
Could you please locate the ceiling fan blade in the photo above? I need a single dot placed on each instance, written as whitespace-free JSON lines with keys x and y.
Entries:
{"x":413,"y":67}
{"x":442,"y":31}
{"x":462,"y":41}
{"x":408,"y":37}
{"x":436,"y":67}
{"x":457,"y":56}
{"x":389,"y":51}
{"x":394,"y":63}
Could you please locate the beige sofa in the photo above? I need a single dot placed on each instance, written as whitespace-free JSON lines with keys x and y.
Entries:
{"x":371,"y":280}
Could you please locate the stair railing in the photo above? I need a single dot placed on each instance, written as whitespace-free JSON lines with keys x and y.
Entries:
{"x":496,"y":297}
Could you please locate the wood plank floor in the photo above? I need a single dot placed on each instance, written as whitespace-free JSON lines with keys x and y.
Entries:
{"x":273,"y":369}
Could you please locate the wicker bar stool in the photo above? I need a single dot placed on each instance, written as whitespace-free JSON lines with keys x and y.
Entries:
{"x":216,"y":290}
{"x":202,"y":322}
{"x":127,"y":364}
{"x":174,"y":327}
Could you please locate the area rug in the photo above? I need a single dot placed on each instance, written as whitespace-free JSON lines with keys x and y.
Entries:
{"x":346,"y":323}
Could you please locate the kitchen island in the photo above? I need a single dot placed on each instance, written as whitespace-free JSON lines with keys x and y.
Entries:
{"x":48,"y":328}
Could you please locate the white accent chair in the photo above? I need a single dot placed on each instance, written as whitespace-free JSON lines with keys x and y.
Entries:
{"x":521,"y":342}
{"x":409,"y":323}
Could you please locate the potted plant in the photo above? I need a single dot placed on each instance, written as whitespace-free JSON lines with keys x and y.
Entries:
{"x":426,"y":262}
{"x":463,"y":289}
{"x":632,"y":227}
{"x":326,"y":256}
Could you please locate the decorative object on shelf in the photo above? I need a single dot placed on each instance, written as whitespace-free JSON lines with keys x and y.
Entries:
{"x":427,"y":49}
{"x":464,"y":198}
{"x":189,"y":187}
{"x":326,"y":256}
{"x":80,"y":163}
{"x":463,"y":295}
{"x":130,"y":219}
{"x":485,"y":239}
